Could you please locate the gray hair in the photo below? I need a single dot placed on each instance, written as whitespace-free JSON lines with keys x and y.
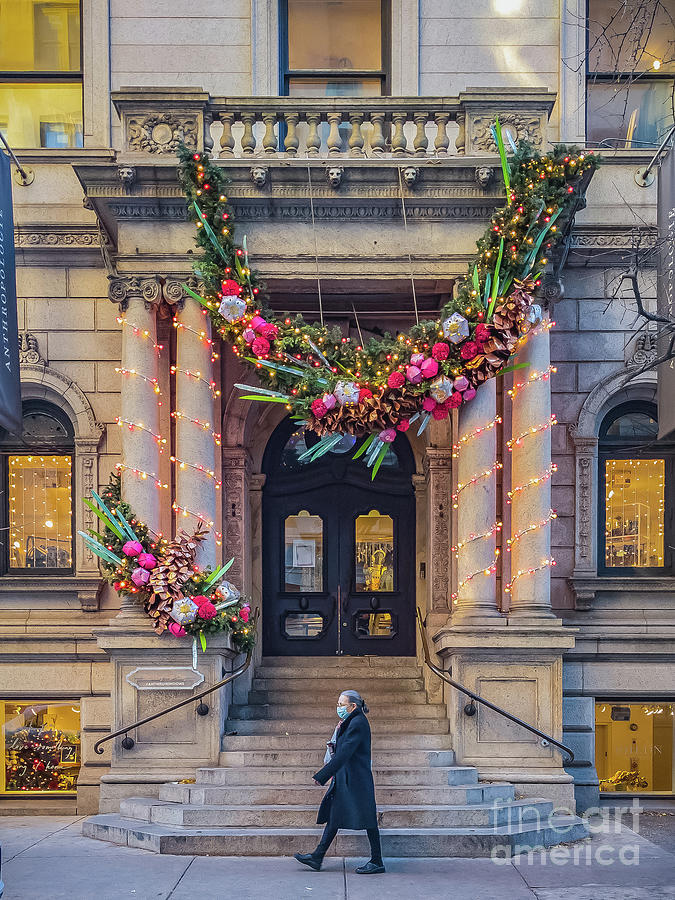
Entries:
{"x":355,"y":697}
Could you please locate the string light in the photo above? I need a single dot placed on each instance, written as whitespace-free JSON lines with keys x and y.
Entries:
{"x":182,"y":464}
{"x":134,"y":426}
{"x":185,"y":512}
{"x":534,"y":376}
{"x":199,"y":377}
{"x":205,"y":426}
{"x":473,"y":434}
{"x":497,"y":526}
{"x":488,"y":570}
{"x":139,"y":332}
{"x":474,"y":479}
{"x":544,"y":325}
{"x":153,"y":381}
{"x":141,"y":474}
{"x":533,"y":526}
{"x":538,"y":479}
{"x":535,"y":429}
{"x":545,"y":564}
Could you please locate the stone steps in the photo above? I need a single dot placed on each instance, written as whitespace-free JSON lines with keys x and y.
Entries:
{"x":275,"y":816}
{"x":327,"y":698}
{"x":325,"y":726}
{"x":396,"y":842}
{"x":302,"y":776}
{"x":317,"y":741}
{"x":367,"y":686}
{"x":251,"y":758}
{"x":384,"y":713}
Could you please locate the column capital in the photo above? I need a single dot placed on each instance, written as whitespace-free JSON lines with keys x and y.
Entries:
{"x":237,"y":458}
{"x":437,"y":458}
{"x":174,"y":293}
{"x":122,"y":289}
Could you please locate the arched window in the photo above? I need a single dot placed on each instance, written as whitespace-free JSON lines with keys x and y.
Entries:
{"x":635,"y":501}
{"x":36,"y":502}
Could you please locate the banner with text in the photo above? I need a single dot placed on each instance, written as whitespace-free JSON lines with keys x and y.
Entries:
{"x":10,"y":385}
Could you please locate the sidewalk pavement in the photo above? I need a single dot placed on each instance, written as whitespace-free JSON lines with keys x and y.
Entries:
{"x":46,"y":857}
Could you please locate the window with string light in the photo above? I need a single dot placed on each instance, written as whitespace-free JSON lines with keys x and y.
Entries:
{"x":36,"y":491}
{"x":635,"y":475}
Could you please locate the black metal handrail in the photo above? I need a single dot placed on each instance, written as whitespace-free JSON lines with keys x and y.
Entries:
{"x":202,"y":708}
{"x":470,"y":708}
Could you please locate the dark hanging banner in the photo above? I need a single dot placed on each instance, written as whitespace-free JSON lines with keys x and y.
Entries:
{"x":666,"y":290}
{"x":10,"y":385}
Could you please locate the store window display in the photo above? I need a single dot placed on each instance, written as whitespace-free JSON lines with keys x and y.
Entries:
{"x":41,"y":743}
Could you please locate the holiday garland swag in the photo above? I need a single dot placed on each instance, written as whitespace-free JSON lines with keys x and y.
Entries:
{"x":337,"y":386}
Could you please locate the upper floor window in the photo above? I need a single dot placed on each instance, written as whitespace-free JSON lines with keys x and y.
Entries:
{"x":636,"y":478}
{"x":41,"y":73}
{"x":335,"y":48}
{"x":631,"y":66}
{"x":36,"y":485}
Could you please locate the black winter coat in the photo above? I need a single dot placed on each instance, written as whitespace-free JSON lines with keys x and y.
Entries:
{"x":350,"y":800}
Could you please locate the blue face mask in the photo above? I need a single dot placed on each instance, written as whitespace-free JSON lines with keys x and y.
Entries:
{"x":342,"y":712}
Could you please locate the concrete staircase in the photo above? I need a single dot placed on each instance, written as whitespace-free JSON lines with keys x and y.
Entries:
{"x":260,"y":801}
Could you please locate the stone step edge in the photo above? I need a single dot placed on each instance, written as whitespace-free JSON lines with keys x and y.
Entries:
{"x":495,"y":804}
{"x":204,"y":785}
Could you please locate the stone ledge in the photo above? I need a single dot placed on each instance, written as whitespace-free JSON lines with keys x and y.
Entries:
{"x":85,"y":588}
{"x":586,"y":586}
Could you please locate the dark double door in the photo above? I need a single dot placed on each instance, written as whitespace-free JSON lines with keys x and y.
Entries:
{"x":338,"y":563}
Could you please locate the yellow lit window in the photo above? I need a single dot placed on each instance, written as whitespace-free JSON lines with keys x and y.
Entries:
{"x":41,"y":73}
{"x":634,"y":746}
{"x":374,"y":552}
{"x":40,"y":512}
{"x":634,"y":512}
{"x":41,"y":744}
{"x":303,"y":542}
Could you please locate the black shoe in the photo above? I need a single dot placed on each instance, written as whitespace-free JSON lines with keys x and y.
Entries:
{"x":371,"y":868}
{"x":308,"y":859}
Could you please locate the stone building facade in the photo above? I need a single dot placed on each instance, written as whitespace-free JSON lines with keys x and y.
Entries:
{"x":363,"y":192}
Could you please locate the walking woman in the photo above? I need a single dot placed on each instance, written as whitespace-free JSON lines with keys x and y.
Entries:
{"x":350,"y":800}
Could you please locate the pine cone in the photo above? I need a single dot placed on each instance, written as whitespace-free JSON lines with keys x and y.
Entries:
{"x":173,"y":569}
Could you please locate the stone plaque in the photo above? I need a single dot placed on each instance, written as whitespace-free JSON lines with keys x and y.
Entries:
{"x":164,"y":678}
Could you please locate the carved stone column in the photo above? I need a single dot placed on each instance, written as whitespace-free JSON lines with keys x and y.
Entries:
{"x":585,"y":537}
{"x":438,"y":465}
{"x":531,"y":506}
{"x":236,"y":512}
{"x":138,"y":298}
{"x":477,"y":509}
{"x":196,"y":477}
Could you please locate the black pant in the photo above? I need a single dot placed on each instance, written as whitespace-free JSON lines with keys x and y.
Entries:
{"x":373,"y":836}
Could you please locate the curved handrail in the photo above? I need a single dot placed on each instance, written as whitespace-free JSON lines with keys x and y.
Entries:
{"x":202,"y":708}
{"x":470,"y":708}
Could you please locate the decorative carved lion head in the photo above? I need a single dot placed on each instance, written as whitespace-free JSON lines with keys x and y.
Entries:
{"x":484,"y":175}
{"x":127,"y":175}
{"x":410,"y":175}
{"x":259,"y":175}
{"x":334,"y":175}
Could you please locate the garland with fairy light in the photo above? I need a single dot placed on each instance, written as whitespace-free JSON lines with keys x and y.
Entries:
{"x":372,"y":390}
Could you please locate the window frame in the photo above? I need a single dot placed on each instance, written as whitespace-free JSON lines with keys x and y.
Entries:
{"x":75,"y":76}
{"x":635,"y":448}
{"x":383,"y":73}
{"x":9,"y":447}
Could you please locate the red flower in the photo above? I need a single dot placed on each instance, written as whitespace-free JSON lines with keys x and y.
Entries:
{"x":440,"y":351}
{"x":260,"y":346}
{"x":429,"y":404}
{"x":200,"y":600}
{"x":469,"y":350}
{"x":230,"y":288}
{"x":207,"y":611}
{"x":319,"y":408}
{"x":396,"y":380}
{"x":482,"y":332}
{"x":117,"y":585}
{"x":454,"y":401}
{"x":403,"y":425}
{"x":365,"y":394}
{"x":268,"y":331}
{"x":440,"y":412}
{"x":244,"y":613}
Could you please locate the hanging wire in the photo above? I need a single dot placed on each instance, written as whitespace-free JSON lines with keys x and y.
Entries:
{"x":407,"y":243}
{"x":316,"y":249}
{"x":358,"y":324}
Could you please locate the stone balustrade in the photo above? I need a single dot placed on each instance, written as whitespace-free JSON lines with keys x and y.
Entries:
{"x":155,"y":121}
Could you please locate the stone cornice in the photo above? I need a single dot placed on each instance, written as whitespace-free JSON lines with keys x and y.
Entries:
{"x":58,"y":237}
{"x":606,"y":245}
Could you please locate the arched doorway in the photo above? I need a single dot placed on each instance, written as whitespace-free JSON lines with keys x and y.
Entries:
{"x":338,"y":550}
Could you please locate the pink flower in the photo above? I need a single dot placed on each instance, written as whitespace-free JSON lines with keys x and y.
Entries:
{"x":319,"y":408}
{"x":260,"y":346}
{"x":249,"y":335}
{"x":388,"y":435}
{"x":132,"y":548}
{"x":413,"y":374}
{"x":469,"y":394}
{"x":257,"y":323}
{"x":268,"y":331}
{"x":440,"y":351}
{"x":417,"y":359}
{"x":140,"y":577}
{"x":207,"y":611}
{"x":147,"y":560}
{"x":177,"y":629}
{"x":455,"y":400}
{"x":244,"y":613}
{"x":365,"y":394}
{"x":200,"y":600}
{"x":482,"y":332}
{"x":469,"y":350}
{"x":329,"y":400}
{"x":230,"y":288}
{"x":429,"y":368}
{"x":429,"y":404}
{"x":403,"y":425}
{"x":460,"y":383}
{"x":440,"y":412}
{"x":396,"y":380}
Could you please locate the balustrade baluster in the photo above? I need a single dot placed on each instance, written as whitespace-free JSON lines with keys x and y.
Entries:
{"x":356,"y":137}
{"x":269,"y":141}
{"x":291,"y":141}
{"x":442,"y":141}
{"x":377,"y":140}
{"x":334,"y":141}
{"x":399,"y":142}
{"x":226,"y":139}
{"x":248,"y":138}
{"x":313,"y":139}
{"x":460,"y":140}
{"x":421,"y":141}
